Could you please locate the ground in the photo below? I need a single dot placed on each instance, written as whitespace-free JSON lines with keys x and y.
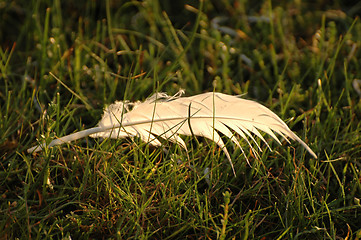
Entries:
{"x":62,"y":62}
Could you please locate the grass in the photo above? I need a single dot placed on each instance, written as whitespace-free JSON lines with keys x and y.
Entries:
{"x":61,"y":63}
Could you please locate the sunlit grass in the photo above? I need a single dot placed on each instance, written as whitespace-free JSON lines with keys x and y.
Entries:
{"x":60,"y":64}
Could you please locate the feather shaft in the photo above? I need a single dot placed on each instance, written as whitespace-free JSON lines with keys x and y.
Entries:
{"x":66,"y":139}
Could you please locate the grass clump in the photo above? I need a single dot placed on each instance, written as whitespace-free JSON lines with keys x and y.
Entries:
{"x":60,"y":63}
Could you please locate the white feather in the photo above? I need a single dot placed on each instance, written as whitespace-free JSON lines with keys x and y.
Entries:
{"x":205,"y":115}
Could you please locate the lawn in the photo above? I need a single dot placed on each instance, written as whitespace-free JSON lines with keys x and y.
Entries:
{"x":61,"y":63}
